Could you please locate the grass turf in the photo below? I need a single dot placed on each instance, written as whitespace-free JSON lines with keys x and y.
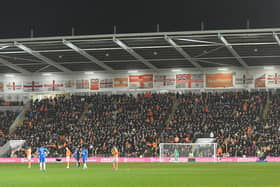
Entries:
{"x":143,"y":174}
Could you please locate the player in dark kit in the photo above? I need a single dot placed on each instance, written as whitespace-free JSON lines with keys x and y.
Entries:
{"x":77,"y":156}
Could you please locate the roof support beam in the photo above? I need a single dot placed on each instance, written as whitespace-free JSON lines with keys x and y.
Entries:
{"x":254,"y":32}
{"x":41,"y":69}
{"x":86,"y":55}
{"x":134,"y":54}
{"x":13,"y":66}
{"x":41,"y":57}
{"x":232,"y":51}
{"x":210,"y":62}
{"x":182,"y":52}
{"x":276,"y":37}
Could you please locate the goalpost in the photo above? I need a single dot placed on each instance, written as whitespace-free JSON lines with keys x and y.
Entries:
{"x":182,"y":152}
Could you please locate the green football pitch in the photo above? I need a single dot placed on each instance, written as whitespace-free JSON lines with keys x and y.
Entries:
{"x":143,"y":174}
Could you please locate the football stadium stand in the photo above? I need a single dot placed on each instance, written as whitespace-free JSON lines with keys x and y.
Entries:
{"x":243,"y":123}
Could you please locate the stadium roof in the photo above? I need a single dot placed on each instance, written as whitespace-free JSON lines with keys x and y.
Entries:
{"x":156,"y":51}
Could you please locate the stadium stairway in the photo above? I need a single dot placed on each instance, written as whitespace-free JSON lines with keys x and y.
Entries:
{"x":85,"y":111}
{"x":20,"y":118}
{"x":173,"y":110}
{"x":51,"y":114}
{"x":10,"y":147}
{"x":266,"y":107}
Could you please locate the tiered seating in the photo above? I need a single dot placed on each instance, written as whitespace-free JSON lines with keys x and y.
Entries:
{"x":6,"y":119}
{"x":242,"y":122}
{"x":233,"y":118}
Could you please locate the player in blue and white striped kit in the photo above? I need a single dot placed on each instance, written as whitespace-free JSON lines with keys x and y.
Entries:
{"x":42,"y":151}
{"x":84,"y":157}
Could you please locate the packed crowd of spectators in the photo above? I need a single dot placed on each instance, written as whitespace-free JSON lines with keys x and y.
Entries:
{"x":6,"y":119}
{"x":235,"y":119}
{"x":10,"y":103}
{"x":133,"y":123}
{"x":243,"y":123}
{"x":49,"y":122}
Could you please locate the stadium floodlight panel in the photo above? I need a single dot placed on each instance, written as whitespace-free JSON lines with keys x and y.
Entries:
{"x":176,"y":70}
{"x":268,"y":67}
{"x":132,"y":71}
{"x":9,"y":75}
{"x":89,"y":72}
{"x":222,"y":69}
{"x":46,"y":74}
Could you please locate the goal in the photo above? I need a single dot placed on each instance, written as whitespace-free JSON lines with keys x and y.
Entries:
{"x":185,"y":151}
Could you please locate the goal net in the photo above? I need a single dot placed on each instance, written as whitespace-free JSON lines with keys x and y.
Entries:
{"x":184,"y":151}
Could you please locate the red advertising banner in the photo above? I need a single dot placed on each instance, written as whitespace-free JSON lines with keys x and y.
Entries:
{"x":260,"y":81}
{"x":181,"y":80}
{"x":216,"y":80}
{"x":94,"y":84}
{"x":148,"y":159}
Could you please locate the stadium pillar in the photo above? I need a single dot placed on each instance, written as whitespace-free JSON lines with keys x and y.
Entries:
{"x":73,"y":31}
{"x":157,"y":27}
{"x":202,"y":26}
{"x":115,"y":29}
{"x":31,"y":33}
{"x":248,"y":24}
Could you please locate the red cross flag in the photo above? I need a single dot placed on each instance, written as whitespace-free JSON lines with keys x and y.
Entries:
{"x":82,"y":84}
{"x":54,"y":85}
{"x":141,"y":81}
{"x":165,"y":81}
{"x":243,"y":79}
{"x":32,"y":86}
{"x":13,"y":86}
{"x":189,"y":81}
{"x":273,"y":79}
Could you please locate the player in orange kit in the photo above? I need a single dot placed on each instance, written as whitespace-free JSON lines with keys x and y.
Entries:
{"x":68,"y":156}
{"x":115,"y":154}
{"x":28,"y":153}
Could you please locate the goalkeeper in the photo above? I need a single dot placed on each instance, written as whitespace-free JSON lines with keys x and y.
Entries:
{"x":176,"y":154}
